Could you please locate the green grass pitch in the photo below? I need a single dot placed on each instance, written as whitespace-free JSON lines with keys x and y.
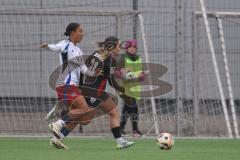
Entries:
{"x":104,"y":149}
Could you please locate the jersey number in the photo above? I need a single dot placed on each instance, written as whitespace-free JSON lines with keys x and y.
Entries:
{"x":94,"y":65}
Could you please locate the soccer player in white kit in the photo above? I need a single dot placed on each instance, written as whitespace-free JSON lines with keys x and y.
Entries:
{"x":72,"y":64}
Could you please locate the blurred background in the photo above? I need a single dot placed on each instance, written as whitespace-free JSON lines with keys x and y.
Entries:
{"x":175,"y":36}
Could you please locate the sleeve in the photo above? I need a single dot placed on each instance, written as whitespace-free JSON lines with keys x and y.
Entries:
{"x":121,"y":61}
{"x":113,"y":83}
{"x":86,"y":71}
{"x":79,"y":62}
{"x":88,"y":64}
{"x":57,"y":48}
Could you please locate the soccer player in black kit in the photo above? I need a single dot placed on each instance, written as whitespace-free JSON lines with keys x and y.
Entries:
{"x":93,"y":90}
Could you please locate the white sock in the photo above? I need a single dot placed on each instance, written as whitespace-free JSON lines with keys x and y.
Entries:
{"x":119,"y":140}
{"x":61,"y":136}
{"x":60,"y":122}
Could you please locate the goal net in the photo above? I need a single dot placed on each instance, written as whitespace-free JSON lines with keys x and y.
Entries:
{"x":25,"y":93}
{"x":216,"y":73}
{"x":195,"y":106}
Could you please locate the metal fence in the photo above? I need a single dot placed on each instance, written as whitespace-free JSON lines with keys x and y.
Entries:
{"x":168,"y":25}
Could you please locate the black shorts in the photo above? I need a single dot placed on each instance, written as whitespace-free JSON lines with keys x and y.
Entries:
{"x":93,"y":102}
{"x":93,"y":92}
{"x":94,"y":97}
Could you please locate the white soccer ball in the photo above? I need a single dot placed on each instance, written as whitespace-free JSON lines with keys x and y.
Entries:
{"x":130,"y":76}
{"x":165,"y":141}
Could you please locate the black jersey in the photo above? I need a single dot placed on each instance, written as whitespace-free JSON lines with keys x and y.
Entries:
{"x":108,"y":66}
{"x":93,"y":62}
{"x":93,"y":87}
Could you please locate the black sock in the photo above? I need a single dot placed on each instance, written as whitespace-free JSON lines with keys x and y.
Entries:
{"x":116,"y":132}
{"x":134,"y":125}
{"x":65,"y":131}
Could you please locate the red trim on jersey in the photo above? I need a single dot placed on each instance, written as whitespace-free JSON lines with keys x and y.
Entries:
{"x":102,"y":86}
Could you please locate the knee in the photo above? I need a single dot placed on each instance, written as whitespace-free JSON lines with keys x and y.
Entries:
{"x":113,"y":113}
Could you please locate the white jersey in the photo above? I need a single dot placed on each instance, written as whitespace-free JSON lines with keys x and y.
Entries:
{"x":71,"y":60}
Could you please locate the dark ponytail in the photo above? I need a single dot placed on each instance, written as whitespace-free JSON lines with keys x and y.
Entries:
{"x":109,"y":43}
{"x":70,"y":28}
{"x":100,"y":44}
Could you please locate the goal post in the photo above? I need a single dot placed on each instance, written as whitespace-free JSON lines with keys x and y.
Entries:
{"x":146,"y":53}
{"x":228,"y":76}
{"x":209,"y":38}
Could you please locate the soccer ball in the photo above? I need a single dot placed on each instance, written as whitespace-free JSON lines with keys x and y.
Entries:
{"x":165,"y":141}
{"x":130,"y":75}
